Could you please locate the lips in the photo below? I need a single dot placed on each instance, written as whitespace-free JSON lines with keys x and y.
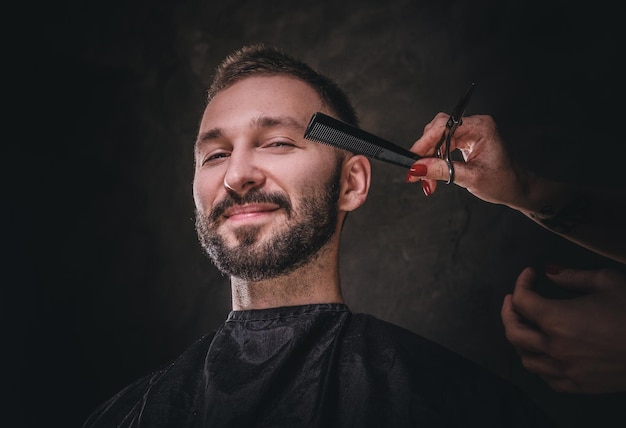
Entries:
{"x":254,"y":203}
{"x":249,"y":210}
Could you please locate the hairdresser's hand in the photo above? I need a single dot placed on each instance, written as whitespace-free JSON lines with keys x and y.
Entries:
{"x":575,"y":345}
{"x":488,"y":172}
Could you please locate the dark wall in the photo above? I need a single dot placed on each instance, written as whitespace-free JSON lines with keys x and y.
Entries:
{"x":107,"y":279}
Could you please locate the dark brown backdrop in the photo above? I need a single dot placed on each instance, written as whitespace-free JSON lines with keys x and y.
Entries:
{"x":107,"y":279}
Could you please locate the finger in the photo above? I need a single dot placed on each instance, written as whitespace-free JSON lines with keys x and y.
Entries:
{"x":437,"y":169}
{"x":425,"y":146}
{"x":562,"y":384}
{"x":429,"y":186}
{"x":519,"y":332}
{"x":526,"y":301}
{"x":417,"y":173}
{"x":541,"y":364}
{"x":474,"y":126}
{"x":582,"y":280}
{"x":527,"y":279}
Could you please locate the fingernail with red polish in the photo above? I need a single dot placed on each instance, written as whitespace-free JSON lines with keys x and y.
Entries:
{"x":553,"y":269}
{"x":426,"y":188}
{"x":418,"y":170}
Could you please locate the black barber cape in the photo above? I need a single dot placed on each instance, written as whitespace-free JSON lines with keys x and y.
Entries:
{"x":317,"y":366}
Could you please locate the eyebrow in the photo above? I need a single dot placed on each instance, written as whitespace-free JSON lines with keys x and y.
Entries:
{"x":262,"y":122}
{"x":273,"y":121}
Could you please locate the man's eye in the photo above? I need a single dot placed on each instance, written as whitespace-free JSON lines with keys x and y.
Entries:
{"x":280,"y":144}
{"x":215,"y":157}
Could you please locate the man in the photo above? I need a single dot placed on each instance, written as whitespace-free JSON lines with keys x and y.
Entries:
{"x":270,"y":208}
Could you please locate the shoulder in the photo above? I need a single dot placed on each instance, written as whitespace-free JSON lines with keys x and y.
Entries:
{"x":121,"y":409}
{"x":416,"y":351}
{"x":387,"y":336}
{"x":439,"y":376}
{"x":419,"y":358}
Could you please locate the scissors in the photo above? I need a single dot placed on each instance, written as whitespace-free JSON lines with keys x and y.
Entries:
{"x":454,"y":121}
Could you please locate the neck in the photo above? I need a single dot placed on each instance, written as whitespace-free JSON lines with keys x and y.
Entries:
{"x":316,"y":282}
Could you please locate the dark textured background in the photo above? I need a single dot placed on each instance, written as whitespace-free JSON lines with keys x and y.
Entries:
{"x":107,"y":281}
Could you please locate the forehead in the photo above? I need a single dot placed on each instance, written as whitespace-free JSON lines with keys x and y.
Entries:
{"x":262,"y":96}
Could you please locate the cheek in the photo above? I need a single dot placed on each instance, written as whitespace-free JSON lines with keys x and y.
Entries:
{"x":197,"y":195}
{"x":309,"y":181}
{"x":204,"y":191}
{"x":293,"y":178}
{"x":310,"y":167}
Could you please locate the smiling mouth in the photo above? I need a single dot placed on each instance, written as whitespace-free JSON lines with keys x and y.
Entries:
{"x":249,"y":212}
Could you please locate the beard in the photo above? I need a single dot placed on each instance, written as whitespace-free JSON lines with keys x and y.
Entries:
{"x":308,"y":230}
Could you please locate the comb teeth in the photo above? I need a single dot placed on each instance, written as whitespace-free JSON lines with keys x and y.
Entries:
{"x":330,"y":131}
{"x":339,"y":139}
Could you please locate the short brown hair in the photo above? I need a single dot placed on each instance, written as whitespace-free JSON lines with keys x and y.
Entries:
{"x":258,"y":59}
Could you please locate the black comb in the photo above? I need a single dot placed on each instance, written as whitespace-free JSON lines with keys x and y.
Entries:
{"x":328,"y":130}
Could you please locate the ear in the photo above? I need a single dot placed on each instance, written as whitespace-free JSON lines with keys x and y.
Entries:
{"x":355,"y":182}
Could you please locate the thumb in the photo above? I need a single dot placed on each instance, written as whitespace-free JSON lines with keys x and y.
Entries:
{"x":437,"y":169}
{"x":575,"y":279}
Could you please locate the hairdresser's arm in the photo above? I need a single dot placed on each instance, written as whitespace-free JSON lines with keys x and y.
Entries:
{"x":591,"y":217}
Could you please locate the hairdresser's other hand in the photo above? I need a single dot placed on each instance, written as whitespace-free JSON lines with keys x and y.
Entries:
{"x":576,"y":345}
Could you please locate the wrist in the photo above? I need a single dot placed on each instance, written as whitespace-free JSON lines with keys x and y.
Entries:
{"x":557,"y":206}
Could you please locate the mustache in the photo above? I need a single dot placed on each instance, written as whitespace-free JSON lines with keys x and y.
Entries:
{"x":255,"y":196}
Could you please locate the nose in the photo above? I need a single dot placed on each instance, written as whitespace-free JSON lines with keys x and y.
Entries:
{"x":243,"y":174}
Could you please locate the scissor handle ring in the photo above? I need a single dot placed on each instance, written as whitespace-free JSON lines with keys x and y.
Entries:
{"x":451,"y":171}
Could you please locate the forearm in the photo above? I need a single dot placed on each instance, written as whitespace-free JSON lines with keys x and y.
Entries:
{"x":592,"y":218}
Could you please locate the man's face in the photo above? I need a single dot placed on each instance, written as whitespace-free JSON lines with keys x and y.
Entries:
{"x":266,"y":198}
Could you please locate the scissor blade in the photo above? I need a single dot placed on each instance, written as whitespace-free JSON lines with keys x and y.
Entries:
{"x":458,"y":111}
